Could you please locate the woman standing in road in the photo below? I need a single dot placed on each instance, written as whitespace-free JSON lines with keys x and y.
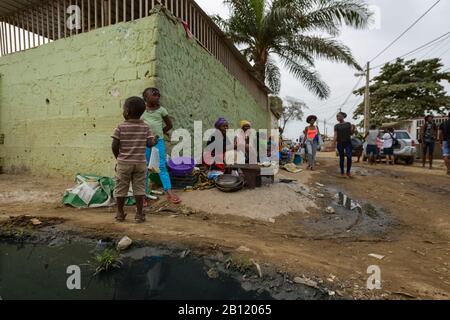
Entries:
{"x":311,"y":140}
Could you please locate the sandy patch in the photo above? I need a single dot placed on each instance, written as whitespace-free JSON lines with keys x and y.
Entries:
{"x":262,"y":203}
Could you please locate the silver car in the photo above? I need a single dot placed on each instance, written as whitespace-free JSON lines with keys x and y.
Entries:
{"x":405,"y":150}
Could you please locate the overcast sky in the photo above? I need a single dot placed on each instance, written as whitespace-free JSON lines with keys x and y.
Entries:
{"x":393,"y":18}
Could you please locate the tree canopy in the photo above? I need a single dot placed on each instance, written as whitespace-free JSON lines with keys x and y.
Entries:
{"x":296,"y":32}
{"x":405,"y":90}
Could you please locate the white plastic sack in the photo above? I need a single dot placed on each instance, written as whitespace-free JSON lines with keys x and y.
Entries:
{"x":153,"y":164}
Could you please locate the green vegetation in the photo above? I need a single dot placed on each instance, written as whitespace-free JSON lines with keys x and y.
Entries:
{"x":288,"y":31}
{"x":406,"y":90}
{"x":106,"y":261}
{"x":240,"y":264}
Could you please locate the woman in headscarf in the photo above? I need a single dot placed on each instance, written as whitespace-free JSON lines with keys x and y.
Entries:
{"x":222,"y":126}
{"x":243,"y":135}
{"x":311,"y":136}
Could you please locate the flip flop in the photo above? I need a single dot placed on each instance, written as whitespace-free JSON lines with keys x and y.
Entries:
{"x":174,"y":199}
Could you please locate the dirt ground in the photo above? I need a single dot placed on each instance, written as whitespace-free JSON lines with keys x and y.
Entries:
{"x":404,"y":217}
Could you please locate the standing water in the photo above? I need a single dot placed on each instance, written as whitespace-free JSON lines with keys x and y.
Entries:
{"x":40,"y":272}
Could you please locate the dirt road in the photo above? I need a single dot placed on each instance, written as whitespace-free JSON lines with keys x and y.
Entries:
{"x":401,"y":213}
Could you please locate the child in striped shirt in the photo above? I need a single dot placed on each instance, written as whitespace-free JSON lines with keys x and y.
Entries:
{"x":130,"y":140}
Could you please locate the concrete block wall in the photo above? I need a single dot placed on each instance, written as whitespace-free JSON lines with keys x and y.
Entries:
{"x":60,"y":102}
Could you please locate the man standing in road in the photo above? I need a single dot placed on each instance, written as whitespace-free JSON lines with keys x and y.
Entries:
{"x":343,"y":132}
{"x":444,"y":138}
{"x":428,"y":136}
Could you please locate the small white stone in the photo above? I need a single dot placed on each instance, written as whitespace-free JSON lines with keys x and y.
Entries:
{"x":330,"y":210}
{"x":124,"y":244}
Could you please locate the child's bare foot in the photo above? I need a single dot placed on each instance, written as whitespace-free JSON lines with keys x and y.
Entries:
{"x":140,"y":218}
{"x":172,"y":197}
{"x":120,"y":217}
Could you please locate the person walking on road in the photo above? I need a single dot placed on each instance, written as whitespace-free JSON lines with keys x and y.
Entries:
{"x":388,"y":145}
{"x":372,"y":149}
{"x":311,"y":140}
{"x":428,"y":136}
{"x":343,"y":132}
{"x":444,"y":139}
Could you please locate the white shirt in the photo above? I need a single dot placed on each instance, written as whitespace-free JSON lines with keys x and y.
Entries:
{"x":388,"y":141}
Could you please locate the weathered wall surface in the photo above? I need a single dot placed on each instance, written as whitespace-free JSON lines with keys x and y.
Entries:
{"x":60,"y":102}
{"x":195,"y":86}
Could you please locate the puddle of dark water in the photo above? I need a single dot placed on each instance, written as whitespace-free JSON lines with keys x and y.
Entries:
{"x":352,"y":218}
{"x":39,"y":272}
{"x":347,"y":202}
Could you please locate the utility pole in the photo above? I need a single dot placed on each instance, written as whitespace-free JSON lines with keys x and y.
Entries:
{"x":366,"y":97}
{"x":367,"y":100}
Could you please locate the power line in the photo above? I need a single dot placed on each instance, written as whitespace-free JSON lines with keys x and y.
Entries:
{"x":435,"y":47}
{"x":444,"y":53}
{"x":406,"y":31}
{"x":351,"y":92}
{"x":426,"y":45}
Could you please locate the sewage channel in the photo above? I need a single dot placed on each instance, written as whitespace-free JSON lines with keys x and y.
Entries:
{"x":39,"y":271}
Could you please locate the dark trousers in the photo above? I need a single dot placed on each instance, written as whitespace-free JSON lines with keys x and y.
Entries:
{"x":345,"y":149}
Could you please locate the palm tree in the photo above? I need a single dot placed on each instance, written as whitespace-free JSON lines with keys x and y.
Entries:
{"x":288,"y":29}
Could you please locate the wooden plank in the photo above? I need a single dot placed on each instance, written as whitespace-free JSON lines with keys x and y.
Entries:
{"x":89,"y":15}
{"x":58,"y":8}
{"x":22,"y":24}
{"x":140,"y":9}
{"x":53,"y":22}
{"x":102,"y":11}
{"x":47,"y":11}
{"x":124,"y":17}
{"x":19,"y":33}
{"x":33,"y":38}
{"x":82,"y":16}
{"x":146,"y":8}
{"x":117,"y":11}
{"x":132,"y":10}
{"x":37,"y":27}
{"x":64,"y":18}
{"x":68,"y":16}
{"x":2,"y":44}
{"x":96,"y":13}
{"x":109,"y":12}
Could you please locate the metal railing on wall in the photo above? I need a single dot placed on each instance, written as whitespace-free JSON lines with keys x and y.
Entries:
{"x":57,"y":19}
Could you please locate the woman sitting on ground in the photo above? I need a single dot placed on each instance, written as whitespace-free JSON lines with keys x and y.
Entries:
{"x":216,"y":158}
{"x":244,"y":135}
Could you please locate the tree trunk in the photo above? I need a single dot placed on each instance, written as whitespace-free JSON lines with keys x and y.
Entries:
{"x":260,"y":65}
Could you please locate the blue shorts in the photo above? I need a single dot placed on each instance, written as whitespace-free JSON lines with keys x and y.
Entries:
{"x":388,"y":151}
{"x":446,"y":148}
{"x":371,"y":150}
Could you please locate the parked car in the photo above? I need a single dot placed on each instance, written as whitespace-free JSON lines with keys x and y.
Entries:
{"x":405,"y":150}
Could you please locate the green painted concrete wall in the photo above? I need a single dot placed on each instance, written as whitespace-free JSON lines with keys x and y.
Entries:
{"x":60,"y":102}
{"x":195,"y":86}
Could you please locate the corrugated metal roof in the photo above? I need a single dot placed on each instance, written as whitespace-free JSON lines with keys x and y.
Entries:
{"x":7,"y":7}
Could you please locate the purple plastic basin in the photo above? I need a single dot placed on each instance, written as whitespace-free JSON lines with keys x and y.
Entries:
{"x":181,"y":166}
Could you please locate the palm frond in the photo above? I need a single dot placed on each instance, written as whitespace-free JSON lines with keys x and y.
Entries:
{"x":310,"y":78}
{"x":273,"y":76}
